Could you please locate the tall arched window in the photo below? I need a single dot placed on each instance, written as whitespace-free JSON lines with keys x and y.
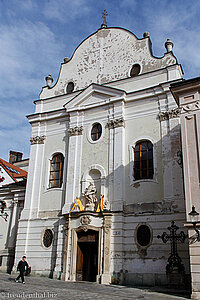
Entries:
{"x":56,"y":171}
{"x":143,"y":160}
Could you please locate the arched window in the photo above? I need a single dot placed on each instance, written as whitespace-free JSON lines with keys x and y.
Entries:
{"x":135,"y":70}
{"x":70,"y":87}
{"x":143,"y":160}
{"x":56,"y":171}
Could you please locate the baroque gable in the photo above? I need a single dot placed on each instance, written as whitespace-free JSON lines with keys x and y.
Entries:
{"x":101,"y":58}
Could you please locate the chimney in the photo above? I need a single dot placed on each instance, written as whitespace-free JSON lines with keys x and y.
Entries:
{"x":15,"y":156}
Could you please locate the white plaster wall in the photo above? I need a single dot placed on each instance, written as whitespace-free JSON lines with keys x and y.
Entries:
{"x":41,"y":259}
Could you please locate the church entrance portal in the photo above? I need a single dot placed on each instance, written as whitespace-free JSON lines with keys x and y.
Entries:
{"x":87,"y":255}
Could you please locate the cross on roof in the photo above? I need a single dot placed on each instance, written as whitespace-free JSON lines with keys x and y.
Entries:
{"x":104,"y":24}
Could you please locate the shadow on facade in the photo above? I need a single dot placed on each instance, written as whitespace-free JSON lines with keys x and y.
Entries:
{"x":153,"y":203}
{"x":54,"y":249}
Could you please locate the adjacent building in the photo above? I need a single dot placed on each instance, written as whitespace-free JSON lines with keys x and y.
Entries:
{"x":12,"y":193}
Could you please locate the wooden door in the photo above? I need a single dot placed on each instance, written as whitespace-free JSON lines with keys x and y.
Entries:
{"x":87,"y":256}
{"x":79,"y":264}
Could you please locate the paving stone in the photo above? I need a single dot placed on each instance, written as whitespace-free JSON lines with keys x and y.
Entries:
{"x":45,"y":288}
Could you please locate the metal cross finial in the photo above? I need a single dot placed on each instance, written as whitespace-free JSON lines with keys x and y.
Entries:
{"x":104,"y":24}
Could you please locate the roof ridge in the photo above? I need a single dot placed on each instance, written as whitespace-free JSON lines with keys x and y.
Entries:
{"x":12,"y":170}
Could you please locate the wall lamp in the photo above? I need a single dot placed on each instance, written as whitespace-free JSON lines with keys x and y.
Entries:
{"x":194,"y":220}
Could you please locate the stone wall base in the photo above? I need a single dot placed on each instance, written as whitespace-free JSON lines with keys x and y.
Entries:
{"x":151,"y":279}
{"x":105,"y":279}
{"x":195,"y":295}
{"x":7,"y":260}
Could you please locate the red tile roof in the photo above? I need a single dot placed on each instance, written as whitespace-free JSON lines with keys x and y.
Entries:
{"x":14,"y":172}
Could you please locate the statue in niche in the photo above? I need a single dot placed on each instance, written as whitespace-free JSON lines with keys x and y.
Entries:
{"x":90,"y":196}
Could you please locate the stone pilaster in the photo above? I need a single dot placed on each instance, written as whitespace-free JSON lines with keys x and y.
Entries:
{"x":116,"y":161}
{"x":13,"y":225}
{"x":34,"y":178}
{"x":60,"y":241}
{"x":66,"y":229}
{"x":74,"y":169}
{"x":170,"y":138}
{"x":106,"y":276}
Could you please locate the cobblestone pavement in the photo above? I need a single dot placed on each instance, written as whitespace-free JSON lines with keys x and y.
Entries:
{"x":45,"y":288}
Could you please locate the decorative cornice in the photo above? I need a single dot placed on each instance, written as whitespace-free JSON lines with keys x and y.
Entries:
{"x":75,"y":130}
{"x":116,"y":123}
{"x":38,"y":139}
{"x":170,"y":114}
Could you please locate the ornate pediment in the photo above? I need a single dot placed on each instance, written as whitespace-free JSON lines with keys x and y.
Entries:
{"x":94,"y":95}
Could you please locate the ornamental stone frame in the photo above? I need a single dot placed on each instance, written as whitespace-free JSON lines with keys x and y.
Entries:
{"x":75,"y":232}
{"x":71,"y":234}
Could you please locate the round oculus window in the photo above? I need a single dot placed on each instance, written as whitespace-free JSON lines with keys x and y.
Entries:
{"x":47,"y":238}
{"x":96,"y":132}
{"x":143,"y":235}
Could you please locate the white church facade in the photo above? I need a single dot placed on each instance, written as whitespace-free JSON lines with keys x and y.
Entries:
{"x":105,"y":171}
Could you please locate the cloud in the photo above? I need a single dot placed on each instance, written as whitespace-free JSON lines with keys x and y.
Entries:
{"x":28,"y":52}
{"x":27,"y":5}
{"x":16,"y":139}
{"x":66,"y":10}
